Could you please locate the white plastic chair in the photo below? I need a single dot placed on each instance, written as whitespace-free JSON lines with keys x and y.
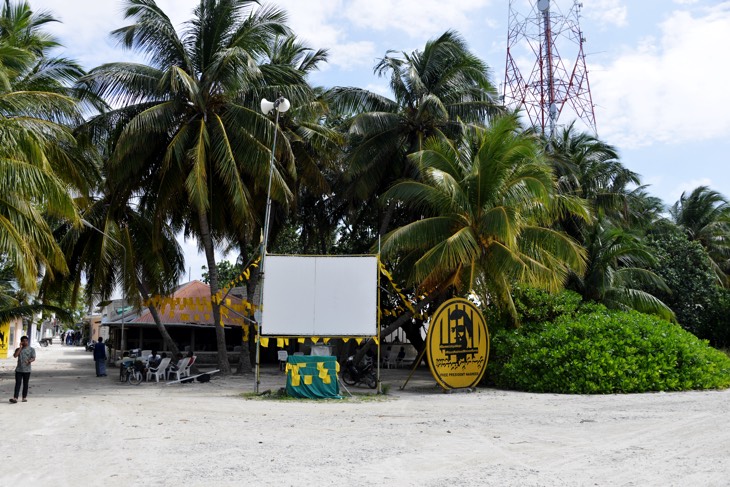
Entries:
{"x":283,"y":356}
{"x":392,"y":362}
{"x":159,"y":370}
{"x":185,"y":371}
{"x":179,"y":371}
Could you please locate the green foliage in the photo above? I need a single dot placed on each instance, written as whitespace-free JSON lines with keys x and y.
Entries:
{"x":606,"y":352}
{"x":226,"y":272}
{"x":695,"y":297}
{"x":536,"y":306}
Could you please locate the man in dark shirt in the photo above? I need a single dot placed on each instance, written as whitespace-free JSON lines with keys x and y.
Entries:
{"x":100,"y":358}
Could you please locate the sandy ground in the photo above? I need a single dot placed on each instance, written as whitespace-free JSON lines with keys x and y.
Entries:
{"x":78,"y":429}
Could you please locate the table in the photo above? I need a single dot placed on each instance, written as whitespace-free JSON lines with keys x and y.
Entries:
{"x":312,"y":377}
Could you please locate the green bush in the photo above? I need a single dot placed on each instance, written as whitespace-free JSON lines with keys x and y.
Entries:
{"x":536,"y":306}
{"x":605,"y":352}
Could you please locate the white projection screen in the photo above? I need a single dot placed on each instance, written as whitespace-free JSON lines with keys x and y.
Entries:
{"x":320,"y":296}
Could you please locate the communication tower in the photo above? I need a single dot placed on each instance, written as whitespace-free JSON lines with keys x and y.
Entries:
{"x":538,"y":39}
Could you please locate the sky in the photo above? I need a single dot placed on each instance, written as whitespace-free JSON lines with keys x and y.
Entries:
{"x":657,"y":68}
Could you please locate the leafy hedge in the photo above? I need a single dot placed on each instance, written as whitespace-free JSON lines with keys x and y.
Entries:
{"x":605,"y":352}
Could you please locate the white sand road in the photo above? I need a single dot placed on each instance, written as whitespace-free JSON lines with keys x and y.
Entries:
{"x":78,"y":429}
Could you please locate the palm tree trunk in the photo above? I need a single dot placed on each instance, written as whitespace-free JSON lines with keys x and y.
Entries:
{"x":400,"y":321}
{"x":220,"y":332}
{"x":169,"y":344}
{"x":387,"y":217}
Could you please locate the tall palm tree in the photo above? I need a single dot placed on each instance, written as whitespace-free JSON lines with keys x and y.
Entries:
{"x":588,"y":168}
{"x":434,"y":91}
{"x":704,"y":215}
{"x":486,"y":207}
{"x":40,"y":160}
{"x":154,"y":261}
{"x":189,"y":124}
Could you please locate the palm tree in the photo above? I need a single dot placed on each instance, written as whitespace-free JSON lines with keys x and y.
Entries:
{"x":704,"y":215}
{"x":588,"y":168}
{"x":434,"y":91}
{"x":188,"y":124}
{"x":618,"y":263}
{"x":486,"y":206}
{"x":16,"y":303}
{"x":40,"y":160}
{"x":154,"y":260}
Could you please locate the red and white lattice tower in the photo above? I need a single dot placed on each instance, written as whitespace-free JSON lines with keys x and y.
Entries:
{"x":538,"y":39}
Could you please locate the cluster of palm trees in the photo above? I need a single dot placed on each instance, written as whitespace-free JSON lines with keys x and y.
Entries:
{"x":462,"y":197}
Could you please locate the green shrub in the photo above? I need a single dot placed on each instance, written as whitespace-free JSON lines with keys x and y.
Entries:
{"x":605,"y":352}
{"x":535,"y":307}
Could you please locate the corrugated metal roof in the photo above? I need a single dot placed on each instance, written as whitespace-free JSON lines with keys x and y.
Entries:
{"x":191,"y":304}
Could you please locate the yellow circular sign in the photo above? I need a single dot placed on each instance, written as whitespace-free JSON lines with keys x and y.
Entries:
{"x":458,"y":344}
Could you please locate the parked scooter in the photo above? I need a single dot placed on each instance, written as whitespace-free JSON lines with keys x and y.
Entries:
{"x":354,"y":374}
{"x":44,"y":342}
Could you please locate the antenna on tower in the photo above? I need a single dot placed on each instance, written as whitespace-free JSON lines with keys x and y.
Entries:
{"x":550,"y":88}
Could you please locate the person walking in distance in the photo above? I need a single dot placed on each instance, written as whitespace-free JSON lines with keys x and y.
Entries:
{"x":100,"y":357}
{"x":26,"y":356}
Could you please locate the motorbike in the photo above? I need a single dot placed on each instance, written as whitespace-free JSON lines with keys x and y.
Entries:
{"x":131,"y":371}
{"x":355,"y":374}
{"x":44,"y":342}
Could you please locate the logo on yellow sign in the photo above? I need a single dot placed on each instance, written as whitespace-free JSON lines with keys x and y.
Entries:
{"x":4,"y":339}
{"x":458,"y":344}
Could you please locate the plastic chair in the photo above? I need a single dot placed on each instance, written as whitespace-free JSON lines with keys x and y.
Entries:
{"x":179,"y":371}
{"x":392,"y":362}
{"x":159,"y":370}
{"x":185,"y":371}
{"x":282,"y":355}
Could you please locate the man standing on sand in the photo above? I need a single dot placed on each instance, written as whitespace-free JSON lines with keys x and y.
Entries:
{"x":26,"y":356}
{"x":100,"y":357}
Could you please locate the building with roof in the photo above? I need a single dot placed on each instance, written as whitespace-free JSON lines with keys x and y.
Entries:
{"x":187,"y":316}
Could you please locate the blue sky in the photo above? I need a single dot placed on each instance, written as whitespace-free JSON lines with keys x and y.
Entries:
{"x":657,"y":68}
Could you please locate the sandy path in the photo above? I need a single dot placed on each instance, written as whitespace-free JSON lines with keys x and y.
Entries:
{"x":78,"y":429}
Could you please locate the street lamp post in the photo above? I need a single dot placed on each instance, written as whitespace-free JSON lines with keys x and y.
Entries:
{"x":281,"y":105}
{"x":124,"y":275}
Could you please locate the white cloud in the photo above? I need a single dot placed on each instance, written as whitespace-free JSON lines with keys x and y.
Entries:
{"x":417,"y":18}
{"x":380,"y":89}
{"x":607,"y":13}
{"x":320,"y":25}
{"x":670,"y":89}
{"x":688,"y":187}
{"x":349,"y":56}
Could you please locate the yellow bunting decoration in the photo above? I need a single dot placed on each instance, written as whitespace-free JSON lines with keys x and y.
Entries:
{"x":264,"y":342}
